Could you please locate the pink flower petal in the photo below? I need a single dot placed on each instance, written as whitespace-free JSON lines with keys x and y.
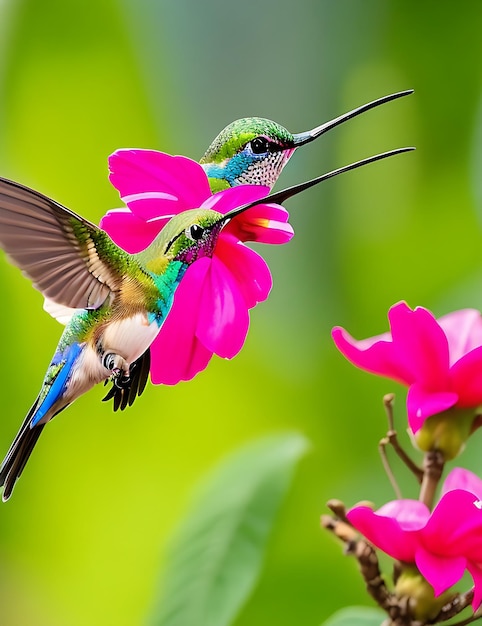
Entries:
{"x":420,"y":345}
{"x":138,"y":171}
{"x":463,"y":330}
{"x":234,"y":198}
{"x":441,"y":572}
{"x":176,"y":352}
{"x":223,"y":318}
{"x":149,"y":206}
{"x":441,"y":361}
{"x":273,"y":233}
{"x":455,"y":526}
{"x":466,"y":377}
{"x":468,"y":540}
{"x":475,"y":570}
{"x":266,"y":223}
{"x":385,"y":533}
{"x":422,"y":404}
{"x":128,"y":231}
{"x":375,"y":355}
{"x":410,"y":514}
{"x":200,"y":357}
{"x":249,"y":269}
{"x":461,"y":478}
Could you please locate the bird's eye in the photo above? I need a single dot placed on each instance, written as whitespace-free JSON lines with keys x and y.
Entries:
{"x":259,"y":145}
{"x":194,"y":232}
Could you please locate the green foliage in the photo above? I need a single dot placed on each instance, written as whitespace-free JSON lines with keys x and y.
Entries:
{"x":356,"y":616}
{"x":218,"y":553}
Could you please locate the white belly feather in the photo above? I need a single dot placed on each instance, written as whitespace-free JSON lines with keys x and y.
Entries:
{"x":129,"y":337}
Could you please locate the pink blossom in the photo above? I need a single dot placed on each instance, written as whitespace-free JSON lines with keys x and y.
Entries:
{"x":439,"y":360}
{"x":210,"y":309}
{"x":442,"y":544}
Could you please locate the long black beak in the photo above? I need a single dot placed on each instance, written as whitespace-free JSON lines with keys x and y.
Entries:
{"x":280,"y":196}
{"x":301,"y":139}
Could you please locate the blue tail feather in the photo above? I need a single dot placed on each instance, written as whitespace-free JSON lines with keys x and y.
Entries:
{"x":30,"y":431}
{"x":59,"y":384}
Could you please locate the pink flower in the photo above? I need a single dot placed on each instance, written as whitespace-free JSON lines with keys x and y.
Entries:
{"x":439,"y":360}
{"x":210,"y":310}
{"x":442,"y":544}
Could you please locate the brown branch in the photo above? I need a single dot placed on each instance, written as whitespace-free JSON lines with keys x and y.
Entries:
{"x":391,"y":438}
{"x":469,"y":620}
{"x":366,"y":557}
{"x":339,"y":509}
{"x":382,"y":449}
{"x":433,"y":466}
{"x":456,"y":606}
{"x":460,"y":602}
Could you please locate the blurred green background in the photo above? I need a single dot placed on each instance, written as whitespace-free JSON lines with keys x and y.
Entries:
{"x":84,"y":538}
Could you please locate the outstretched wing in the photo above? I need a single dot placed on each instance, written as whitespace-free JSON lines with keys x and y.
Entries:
{"x":68,"y":258}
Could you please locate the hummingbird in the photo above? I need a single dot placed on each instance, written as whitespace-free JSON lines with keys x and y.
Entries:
{"x":122,"y":298}
{"x":254,"y":150}
{"x":250,"y":151}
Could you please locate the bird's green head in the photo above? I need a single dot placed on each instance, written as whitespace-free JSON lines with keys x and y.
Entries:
{"x":254,"y":150}
{"x":193,"y":234}
{"x":188,"y":236}
{"x":249,"y":151}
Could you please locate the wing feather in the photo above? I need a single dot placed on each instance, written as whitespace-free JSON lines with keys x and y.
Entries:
{"x":66,"y":257}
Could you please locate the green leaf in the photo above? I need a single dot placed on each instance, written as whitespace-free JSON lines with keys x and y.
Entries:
{"x":356,"y":616}
{"x":217,"y":555}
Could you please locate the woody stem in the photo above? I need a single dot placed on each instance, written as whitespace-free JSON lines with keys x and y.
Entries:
{"x":433,"y":465}
{"x":391,"y":438}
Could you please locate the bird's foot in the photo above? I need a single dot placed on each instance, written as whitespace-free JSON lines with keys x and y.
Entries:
{"x":120,"y":378}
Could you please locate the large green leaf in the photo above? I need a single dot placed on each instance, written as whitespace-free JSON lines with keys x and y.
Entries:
{"x":217,"y":556}
{"x":356,"y":616}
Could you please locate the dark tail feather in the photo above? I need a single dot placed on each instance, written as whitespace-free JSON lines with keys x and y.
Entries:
{"x":125,"y":390}
{"x":19,"y":453}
